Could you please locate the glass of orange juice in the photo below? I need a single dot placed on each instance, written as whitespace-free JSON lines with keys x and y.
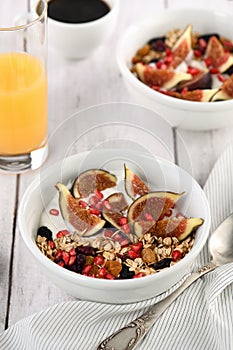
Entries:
{"x":23,"y":89}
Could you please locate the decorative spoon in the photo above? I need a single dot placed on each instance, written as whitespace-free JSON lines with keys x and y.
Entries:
{"x":221,"y":250}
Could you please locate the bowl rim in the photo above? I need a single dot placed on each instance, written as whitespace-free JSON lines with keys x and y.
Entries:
{"x":102,"y":283}
{"x":146,"y":90}
{"x":114,"y":7}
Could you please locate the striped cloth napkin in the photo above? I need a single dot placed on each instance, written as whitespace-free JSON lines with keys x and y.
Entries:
{"x":201,"y":318}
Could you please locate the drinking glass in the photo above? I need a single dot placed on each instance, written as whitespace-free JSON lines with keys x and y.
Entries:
{"x":23,"y":86}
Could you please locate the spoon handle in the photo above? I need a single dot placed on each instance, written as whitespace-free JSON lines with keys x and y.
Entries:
{"x":128,"y":337}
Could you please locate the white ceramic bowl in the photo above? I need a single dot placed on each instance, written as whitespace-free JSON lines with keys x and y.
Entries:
{"x":168,"y":177}
{"x":76,"y":41}
{"x":184,"y":114}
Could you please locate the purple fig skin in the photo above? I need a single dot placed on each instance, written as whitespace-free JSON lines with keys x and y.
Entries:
{"x":200,"y":81}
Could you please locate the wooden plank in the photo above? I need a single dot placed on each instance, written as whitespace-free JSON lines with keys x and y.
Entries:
{"x":7,"y":217}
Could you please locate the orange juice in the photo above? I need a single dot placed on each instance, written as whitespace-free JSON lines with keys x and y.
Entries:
{"x":23,"y":103}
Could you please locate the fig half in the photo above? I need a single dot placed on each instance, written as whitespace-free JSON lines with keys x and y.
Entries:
{"x":176,"y":227}
{"x":218,"y":57}
{"x":91,"y":180}
{"x":134,"y":186}
{"x":79,"y":218}
{"x":154,"y":204}
{"x":164,"y":78}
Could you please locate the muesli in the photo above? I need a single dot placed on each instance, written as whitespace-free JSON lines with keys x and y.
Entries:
{"x":118,"y":235}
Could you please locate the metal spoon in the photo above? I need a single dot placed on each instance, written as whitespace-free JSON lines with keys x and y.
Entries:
{"x":221,"y":249}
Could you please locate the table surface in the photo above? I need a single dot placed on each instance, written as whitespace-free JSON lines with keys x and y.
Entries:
{"x":74,"y":85}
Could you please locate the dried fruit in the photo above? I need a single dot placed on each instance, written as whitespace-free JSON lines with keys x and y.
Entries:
{"x":113,"y":267}
{"x":134,"y":186}
{"x":84,"y":223}
{"x":148,"y":255}
{"x":153,"y":203}
{"x":162,"y":264}
{"x":91,"y":180}
{"x":44,"y":231}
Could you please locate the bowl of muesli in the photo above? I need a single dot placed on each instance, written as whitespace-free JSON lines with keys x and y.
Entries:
{"x":180,"y":64}
{"x":114,"y":226}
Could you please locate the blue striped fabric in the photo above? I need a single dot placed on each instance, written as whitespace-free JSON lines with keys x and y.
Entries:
{"x":201,"y":318}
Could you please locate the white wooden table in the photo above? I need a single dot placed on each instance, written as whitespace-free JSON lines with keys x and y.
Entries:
{"x":73,"y":86}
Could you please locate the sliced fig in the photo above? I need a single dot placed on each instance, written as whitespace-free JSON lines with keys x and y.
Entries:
{"x":117,"y":202}
{"x":91,"y":180}
{"x":142,"y":227}
{"x":202,"y":80}
{"x":155,"y":204}
{"x":78,"y":217}
{"x":182,"y":46}
{"x":134,"y":186}
{"x":165,"y":78}
{"x":199,"y":95}
{"x":226,"y":91}
{"x":180,"y":227}
{"x":219,"y":58}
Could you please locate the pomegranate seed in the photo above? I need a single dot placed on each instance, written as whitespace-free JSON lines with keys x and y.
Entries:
{"x":168,"y":59}
{"x":62,"y":233}
{"x":61,"y":263}
{"x":176,"y":255}
{"x":109,"y":276}
{"x":161,"y":65}
{"x":83,"y":204}
{"x":65,"y":257}
{"x":107,"y":204}
{"x":136,"y":247}
{"x":202,"y":43}
{"x":197,"y":53}
{"x":58,"y":254}
{"x":221,"y":78}
{"x":132,"y":254}
{"x":169,"y":52}
{"x":86,"y":269}
{"x":148,"y":217}
{"x":184,"y":90}
{"x":124,"y":243}
{"x":71,"y":260}
{"x":51,"y":244}
{"x":94,"y":211}
{"x":169,"y":213}
{"x":139,"y":274}
{"x":102,"y":272}
{"x":214,"y":70}
{"x":54,"y":212}
{"x":93,"y":201}
{"x":126,"y":228}
{"x":108,"y":233}
{"x":99,"y":194}
{"x":228,"y":43}
{"x":72,"y":252}
{"x":207,"y":61}
{"x":123,"y":221}
{"x":192,"y":70}
{"x":99,"y":260}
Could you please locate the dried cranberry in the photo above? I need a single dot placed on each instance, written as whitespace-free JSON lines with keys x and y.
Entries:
{"x":162,"y":264}
{"x":86,"y":250}
{"x":44,"y":231}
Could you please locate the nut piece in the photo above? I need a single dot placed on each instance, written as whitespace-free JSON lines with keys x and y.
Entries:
{"x":148,"y":255}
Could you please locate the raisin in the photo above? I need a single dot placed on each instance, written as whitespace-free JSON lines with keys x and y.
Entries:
{"x":162,"y":264}
{"x":125,"y":273}
{"x":44,"y":231}
{"x":86,"y":250}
